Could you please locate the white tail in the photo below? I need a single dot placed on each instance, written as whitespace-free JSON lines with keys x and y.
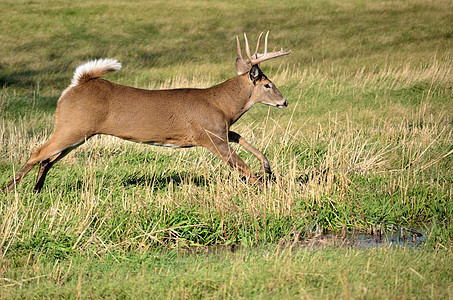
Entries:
{"x":175,"y":118}
{"x":94,"y":69}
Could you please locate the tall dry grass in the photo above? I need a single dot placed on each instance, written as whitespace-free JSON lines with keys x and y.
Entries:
{"x":110,"y":194}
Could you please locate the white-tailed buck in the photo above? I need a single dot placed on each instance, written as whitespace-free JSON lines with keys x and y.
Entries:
{"x":176,"y":118}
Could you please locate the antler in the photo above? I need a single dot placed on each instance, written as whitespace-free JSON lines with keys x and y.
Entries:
{"x":256,"y":58}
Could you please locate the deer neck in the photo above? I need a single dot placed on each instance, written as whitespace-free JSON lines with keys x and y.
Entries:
{"x":236,"y":97}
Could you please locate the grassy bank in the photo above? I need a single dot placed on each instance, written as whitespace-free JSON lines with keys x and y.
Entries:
{"x":365,"y":142}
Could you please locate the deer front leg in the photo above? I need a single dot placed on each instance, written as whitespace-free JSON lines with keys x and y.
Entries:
{"x":223,"y":150}
{"x":236,"y":138}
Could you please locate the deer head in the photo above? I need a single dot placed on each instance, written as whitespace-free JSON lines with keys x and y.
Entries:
{"x":264,"y":91}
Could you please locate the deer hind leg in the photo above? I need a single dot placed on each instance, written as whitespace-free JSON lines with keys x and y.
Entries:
{"x":236,"y":138}
{"x":47,"y":155}
{"x":45,"y":166}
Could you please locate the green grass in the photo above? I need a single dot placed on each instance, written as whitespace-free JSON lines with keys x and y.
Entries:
{"x":368,"y":133}
{"x":248,"y":273}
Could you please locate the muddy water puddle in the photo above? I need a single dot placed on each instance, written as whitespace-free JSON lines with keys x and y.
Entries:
{"x":376,"y":238}
{"x":401,"y":238}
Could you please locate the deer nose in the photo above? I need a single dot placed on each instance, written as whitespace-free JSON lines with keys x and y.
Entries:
{"x":284,"y":104}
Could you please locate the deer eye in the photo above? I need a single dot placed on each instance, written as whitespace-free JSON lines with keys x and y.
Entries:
{"x":267,"y":86}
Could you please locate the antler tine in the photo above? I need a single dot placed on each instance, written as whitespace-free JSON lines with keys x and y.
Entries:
{"x":257,"y":46}
{"x":239,"y":48}
{"x":247,"y":49}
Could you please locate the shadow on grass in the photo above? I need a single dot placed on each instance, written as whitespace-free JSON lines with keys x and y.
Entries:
{"x":162,"y":181}
{"x":317,"y":175}
{"x":23,"y":79}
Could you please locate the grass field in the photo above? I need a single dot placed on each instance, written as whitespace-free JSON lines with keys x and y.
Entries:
{"x":366,"y":142}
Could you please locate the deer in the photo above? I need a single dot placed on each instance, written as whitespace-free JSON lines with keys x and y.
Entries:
{"x":177,"y":118}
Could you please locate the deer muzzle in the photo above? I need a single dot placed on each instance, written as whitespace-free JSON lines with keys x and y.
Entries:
{"x":283,"y":104}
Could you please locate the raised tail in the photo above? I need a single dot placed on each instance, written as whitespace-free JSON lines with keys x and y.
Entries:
{"x":94,"y":69}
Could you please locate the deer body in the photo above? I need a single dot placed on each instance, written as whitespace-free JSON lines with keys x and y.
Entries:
{"x":173,"y":117}
{"x":176,"y":118}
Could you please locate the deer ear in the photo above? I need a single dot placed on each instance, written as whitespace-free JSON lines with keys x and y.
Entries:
{"x":255,"y":74}
{"x":241,"y":66}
